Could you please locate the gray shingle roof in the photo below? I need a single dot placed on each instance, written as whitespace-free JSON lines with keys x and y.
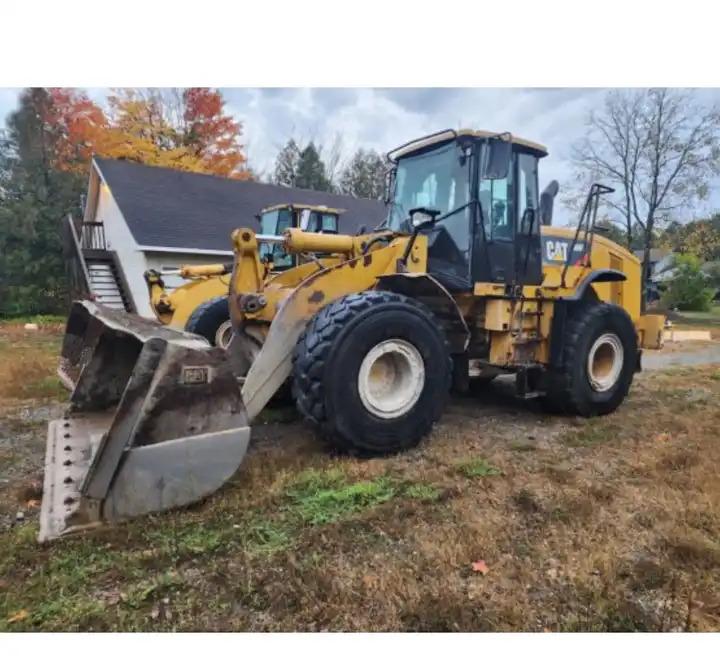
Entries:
{"x":169,"y":208}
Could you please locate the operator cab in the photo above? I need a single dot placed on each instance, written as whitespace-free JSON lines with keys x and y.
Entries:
{"x":478,"y":194}
{"x":274,"y":220}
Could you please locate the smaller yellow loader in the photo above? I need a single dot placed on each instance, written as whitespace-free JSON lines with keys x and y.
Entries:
{"x":200,"y":305}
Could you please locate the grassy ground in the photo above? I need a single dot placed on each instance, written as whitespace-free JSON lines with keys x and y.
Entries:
{"x":504,"y":519}
{"x":699,"y":320}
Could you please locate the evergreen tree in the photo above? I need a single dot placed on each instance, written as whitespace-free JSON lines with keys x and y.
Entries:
{"x":286,"y":164}
{"x":311,"y":170}
{"x":364,"y":175}
{"x":35,"y":197}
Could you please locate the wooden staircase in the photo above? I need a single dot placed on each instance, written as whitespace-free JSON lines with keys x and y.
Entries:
{"x":105,"y":284}
{"x":93,"y":270}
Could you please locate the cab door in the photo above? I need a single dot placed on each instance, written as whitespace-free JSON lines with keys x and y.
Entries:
{"x":494,"y":250}
{"x":528,"y":253}
{"x":507,"y":232}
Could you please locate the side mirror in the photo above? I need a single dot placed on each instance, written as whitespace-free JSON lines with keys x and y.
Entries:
{"x":547,"y":199}
{"x":422,"y":217}
{"x":499,"y":157}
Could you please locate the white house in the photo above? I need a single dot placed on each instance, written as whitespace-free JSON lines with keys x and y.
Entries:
{"x":139,"y":217}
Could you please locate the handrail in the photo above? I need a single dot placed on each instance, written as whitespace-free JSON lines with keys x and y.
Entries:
{"x":587,"y":220}
{"x":79,"y":254}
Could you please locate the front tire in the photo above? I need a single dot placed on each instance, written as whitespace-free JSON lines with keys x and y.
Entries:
{"x":373,"y":371}
{"x":598,"y":362}
{"x":211,"y":319}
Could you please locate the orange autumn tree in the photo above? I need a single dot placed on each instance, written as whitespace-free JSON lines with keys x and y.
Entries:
{"x":76,"y":126}
{"x":213,"y":135}
{"x":183,"y":129}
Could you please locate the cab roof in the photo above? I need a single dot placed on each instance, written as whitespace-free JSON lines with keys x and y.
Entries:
{"x":450,"y":134}
{"x":312,"y":207}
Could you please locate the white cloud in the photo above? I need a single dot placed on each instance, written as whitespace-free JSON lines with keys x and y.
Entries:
{"x":384,"y":118}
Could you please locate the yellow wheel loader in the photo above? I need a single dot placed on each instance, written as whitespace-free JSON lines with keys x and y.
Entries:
{"x":200,"y":306}
{"x":464,"y":280}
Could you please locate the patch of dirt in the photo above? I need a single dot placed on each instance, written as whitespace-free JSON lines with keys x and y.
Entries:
{"x":22,"y":450}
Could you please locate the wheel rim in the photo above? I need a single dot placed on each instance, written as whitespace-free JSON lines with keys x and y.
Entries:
{"x":391,"y":378}
{"x":605,"y":362}
{"x":224,"y":334}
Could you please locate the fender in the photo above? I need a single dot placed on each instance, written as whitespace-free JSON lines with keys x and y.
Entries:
{"x":428,"y":290}
{"x":557,"y":331}
{"x":596,"y":276}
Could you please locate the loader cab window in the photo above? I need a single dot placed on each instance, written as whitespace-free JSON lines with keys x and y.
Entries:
{"x":275,"y":223}
{"x":496,"y":199}
{"x":317,"y":221}
{"x":528,"y":205}
{"x":327,"y":222}
{"x":437,"y":179}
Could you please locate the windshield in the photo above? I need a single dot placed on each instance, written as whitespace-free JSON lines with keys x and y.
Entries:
{"x":275,"y":223}
{"x":436,"y":179}
{"x":439,"y":180}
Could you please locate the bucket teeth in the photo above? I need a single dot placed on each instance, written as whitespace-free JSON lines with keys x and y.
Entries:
{"x":66,"y":462}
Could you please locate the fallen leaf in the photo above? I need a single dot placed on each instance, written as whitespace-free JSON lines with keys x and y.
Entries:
{"x":370,"y":581}
{"x":21,"y":615}
{"x":480,"y":567}
{"x":32,"y":504}
{"x":663,"y":437}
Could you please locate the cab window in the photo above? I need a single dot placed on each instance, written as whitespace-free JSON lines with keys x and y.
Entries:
{"x":275,"y":223}
{"x":528,"y":194}
{"x":496,"y":200}
{"x":322,"y":222}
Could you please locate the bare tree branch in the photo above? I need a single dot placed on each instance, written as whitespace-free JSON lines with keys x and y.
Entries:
{"x":658,"y":147}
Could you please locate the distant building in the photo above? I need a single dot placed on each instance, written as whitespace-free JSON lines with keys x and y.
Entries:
{"x":656,"y":255}
{"x":139,"y":217}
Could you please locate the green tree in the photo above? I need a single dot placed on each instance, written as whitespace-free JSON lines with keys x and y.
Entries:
{"x":688,"y":290}
{"x":712,"y":273}
{"x":610,"y":230}
{"x":311,"y":170}
{"x":699,"y":237}
{"x":364,"y":175}
{"x":34,"y":198}
{"x":286,"y":164}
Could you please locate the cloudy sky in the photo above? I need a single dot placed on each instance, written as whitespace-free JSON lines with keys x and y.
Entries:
{"x":384,"y":118}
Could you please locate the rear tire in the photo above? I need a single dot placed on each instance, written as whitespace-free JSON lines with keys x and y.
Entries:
{"x":373,"y":371}
{"x":211,"y":320}
{"x":598,"y":362}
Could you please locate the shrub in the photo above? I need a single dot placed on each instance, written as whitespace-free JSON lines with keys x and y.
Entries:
{"x":688,"y":290}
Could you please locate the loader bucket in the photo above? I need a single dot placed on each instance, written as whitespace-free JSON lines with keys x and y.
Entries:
{"x":156,"y":421}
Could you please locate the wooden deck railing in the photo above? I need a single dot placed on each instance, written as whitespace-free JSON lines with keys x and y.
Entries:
{"x":92,"y":236}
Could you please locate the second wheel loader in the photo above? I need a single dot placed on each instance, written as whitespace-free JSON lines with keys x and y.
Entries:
{"x":465,"y":279}
{"x":200,"y":305}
